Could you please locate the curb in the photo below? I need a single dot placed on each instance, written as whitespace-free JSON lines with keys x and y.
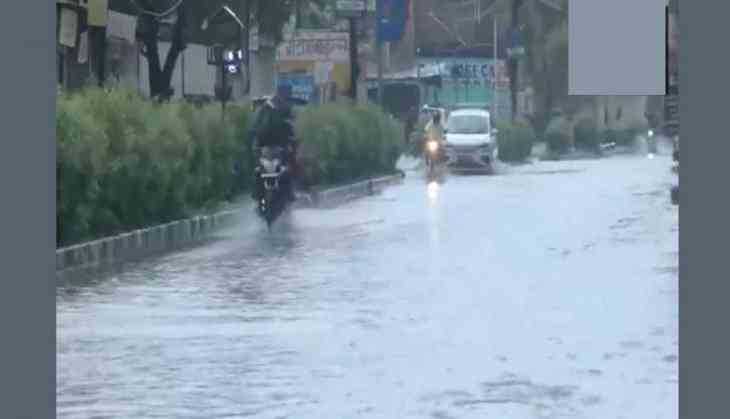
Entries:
{"x":163,"y":238}
{"x":332,"y":197}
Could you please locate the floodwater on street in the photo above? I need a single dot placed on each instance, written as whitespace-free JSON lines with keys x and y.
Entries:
{"x":546,"y":291}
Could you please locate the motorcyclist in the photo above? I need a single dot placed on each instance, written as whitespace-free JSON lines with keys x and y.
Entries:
{"x":435,"y":130}
{"x":273,"y":127}
{"x":653,"y":114}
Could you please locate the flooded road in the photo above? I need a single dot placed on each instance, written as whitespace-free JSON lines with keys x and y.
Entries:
{"x":548,"y":291}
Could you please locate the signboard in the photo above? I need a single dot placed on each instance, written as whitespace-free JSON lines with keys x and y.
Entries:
{"x":350,"y":8}
{"x":467,"y":80}
{"x":302,"y":85}
{"x":97,"y":12}
{"x":319,"y":46}
{"x":392,"y":18}
{"x":68,"y":27}
{"x":479,"y":71}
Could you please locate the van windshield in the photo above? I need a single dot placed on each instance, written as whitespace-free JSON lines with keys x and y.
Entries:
{"x":468,"y":124}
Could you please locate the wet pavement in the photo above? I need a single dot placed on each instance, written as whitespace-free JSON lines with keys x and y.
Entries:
{"x":547,"y":291}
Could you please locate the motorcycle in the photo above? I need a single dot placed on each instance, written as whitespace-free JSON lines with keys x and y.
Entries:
{"x":651,"y":143}
{"x":675,"y":169}
{"x":432,"y":156}
{"x":271,"y":169}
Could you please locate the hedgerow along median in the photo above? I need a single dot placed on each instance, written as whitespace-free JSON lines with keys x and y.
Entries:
{"x":124,"y":162}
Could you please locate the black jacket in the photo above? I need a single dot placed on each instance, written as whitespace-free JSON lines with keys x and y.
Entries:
{"x":274,"y":124}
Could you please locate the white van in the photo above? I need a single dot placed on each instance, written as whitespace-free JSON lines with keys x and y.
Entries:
{"x":471,"y":143}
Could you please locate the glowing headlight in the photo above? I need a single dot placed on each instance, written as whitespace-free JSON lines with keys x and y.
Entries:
{"x":433,"y":146}
{"x":651,"y":133}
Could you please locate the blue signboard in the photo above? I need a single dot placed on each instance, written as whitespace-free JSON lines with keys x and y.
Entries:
{"x":392,"y":16}
{"x":302,"y":85}
{"x":515,"y":42}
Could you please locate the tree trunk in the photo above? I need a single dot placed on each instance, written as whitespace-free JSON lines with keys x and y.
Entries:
{"x":160,"y":77}
{"x":177,"y":47}
{"x":152,"y":53}
{"x":513,"y":62}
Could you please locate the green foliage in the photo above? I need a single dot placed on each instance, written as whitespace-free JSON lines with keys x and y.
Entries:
{"x":546,"y":54}
{"x":342,"y":142}
{"x":558,"y":136}
{"x":515,"y":140}
{"x":585,"y":134}
{"x":625,"y":133}
{"x":124,"y":162}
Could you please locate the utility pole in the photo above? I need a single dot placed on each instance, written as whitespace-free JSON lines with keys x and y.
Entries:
{"x":514,"y":60}
{"x":354,"y":66}
{"x":224,"y":85}
{"x":352,"y":10}
{"x":495,"y":54}
{"x":379,"y":48}
{"x":247,"y":44}
{"x":99,"y":40}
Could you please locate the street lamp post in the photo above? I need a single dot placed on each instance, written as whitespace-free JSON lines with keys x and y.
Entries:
{"x":219,"y":57}
{"x":354,"y":67}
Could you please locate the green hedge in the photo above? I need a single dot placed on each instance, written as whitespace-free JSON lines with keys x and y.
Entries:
{"x":124,"y":162}
{"x":342,"y":142}
{"x":586,"y":134}
{"x":515,"y":140}
{"x":558,"y":136}
{"x":626,"y":133}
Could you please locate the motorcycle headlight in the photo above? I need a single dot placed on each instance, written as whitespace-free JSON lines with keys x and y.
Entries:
{"x":651,"y":133}
{"x":433,"y":146}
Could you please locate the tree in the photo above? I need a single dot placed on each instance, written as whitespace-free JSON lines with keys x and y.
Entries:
{"x":186,"y":17}
{"x":544,"y":30}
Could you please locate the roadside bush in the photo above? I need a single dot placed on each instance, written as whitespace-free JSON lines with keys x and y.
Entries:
{"x":586,"y":135}
{"x":515,"y":140}
{"x":631,"y":130}
{"x":558,"y":136}
{"x":343,"y":142}
{"x":623,"y":137}
{"x":625,"y":134}
{"x":124,"y":162}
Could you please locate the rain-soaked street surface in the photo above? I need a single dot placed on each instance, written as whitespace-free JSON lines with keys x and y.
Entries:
{"x":549,"y":291}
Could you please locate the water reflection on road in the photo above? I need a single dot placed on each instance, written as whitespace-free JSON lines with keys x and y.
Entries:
{"x":547,"y":291}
